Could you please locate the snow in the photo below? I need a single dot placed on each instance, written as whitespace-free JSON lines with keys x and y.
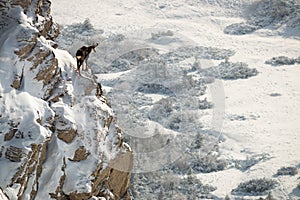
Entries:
{"x":246,"y":121}
{"x":251,"y":120}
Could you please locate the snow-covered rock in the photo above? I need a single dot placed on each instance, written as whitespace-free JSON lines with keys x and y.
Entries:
{"x":282,"y":60}
{"x":59,"y":137}
{"x":282,"y":15}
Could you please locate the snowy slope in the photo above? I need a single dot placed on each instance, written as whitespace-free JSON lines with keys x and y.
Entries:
{"x":255,"y":119}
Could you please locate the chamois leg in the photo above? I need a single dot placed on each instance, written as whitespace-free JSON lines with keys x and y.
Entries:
{"x":79,"y":63}
{"x":86,"y":65}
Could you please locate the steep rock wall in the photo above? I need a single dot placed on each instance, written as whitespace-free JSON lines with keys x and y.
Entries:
{"x":59,"y":138}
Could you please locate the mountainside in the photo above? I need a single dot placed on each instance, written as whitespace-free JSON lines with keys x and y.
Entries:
{"x":59,"y":135}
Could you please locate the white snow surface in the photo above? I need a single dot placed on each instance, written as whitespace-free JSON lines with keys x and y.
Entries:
{"x":272,"y":123}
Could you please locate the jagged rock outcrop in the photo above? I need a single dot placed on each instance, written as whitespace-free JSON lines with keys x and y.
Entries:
{"x":59,"y":138}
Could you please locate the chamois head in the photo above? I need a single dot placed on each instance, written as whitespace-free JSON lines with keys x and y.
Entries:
{"x":93,"y":47}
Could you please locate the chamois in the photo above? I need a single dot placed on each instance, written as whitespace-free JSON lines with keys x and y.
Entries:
{"x":82,"y":55}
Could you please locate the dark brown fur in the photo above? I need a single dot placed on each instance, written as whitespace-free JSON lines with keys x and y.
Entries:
{"x":82,"y":55}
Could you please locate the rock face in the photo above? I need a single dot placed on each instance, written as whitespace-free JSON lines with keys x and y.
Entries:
{"x":59,"y":138}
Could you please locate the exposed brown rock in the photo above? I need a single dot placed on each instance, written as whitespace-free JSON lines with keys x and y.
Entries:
{"x":119,"y":181}
{"x":80,"y":154}
{"x":47,"y":73}
{"x":23,"y":3}
{"x":38,"y":58}
{"x":59,"y":193}
{"x":10,"y":135}
{"x":79,"y":196}
{"x":56,"y":98}
{"x":99,"y":90}
{"x":23,"y":51}
{"x":1,"y":151}
{"x":14,"y":154}
{"x":108,"y":122}
{"x":116,"y":177}
{"x":17,"y":82}
{"x":48,"y":29}
{"x":53,"y":84}
{"x":66,"y":135}
{"x":30,"y":169}
{"x":92,"y":87}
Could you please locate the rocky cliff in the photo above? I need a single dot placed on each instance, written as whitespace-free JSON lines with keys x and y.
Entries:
{"x":59,"y":138}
